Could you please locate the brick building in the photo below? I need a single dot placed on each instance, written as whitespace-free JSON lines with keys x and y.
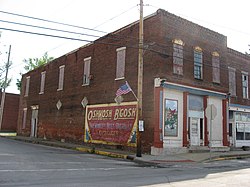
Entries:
{"x":10,"y":112}
{"x":186,"y":68}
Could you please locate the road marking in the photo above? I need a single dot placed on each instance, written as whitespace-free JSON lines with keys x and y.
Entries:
{"x":6,"y":154}
{"x":72,"y":169}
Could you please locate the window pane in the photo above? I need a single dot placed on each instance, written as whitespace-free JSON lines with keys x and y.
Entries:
{"x":120,"y":64}
{"x":195,"y":102}
{"x":197,"y":64}
{"x":171,"y":118}
{"x":86,"y":74}
{"x":216,"y":69}
{"x":240,"y":131}
{"x":232,"y":83}
{"x":177,"y":59}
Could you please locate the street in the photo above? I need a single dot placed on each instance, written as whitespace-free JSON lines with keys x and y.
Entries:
{"x":26,"y":164}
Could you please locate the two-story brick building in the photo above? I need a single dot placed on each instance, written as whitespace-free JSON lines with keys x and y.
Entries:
{"x":186,"y":68}
{"x":10,"y":112}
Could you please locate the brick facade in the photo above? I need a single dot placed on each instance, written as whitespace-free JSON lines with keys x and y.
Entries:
{"x":10,"y":112}
{"x":160,"y":29}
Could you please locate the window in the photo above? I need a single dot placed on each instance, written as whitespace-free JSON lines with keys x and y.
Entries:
{"x":198,"y":63}
{"x":27,"y":86}
{"x":178,"y":57}
{"x":24,"y":118}
{"x":86,"y":71}
{"x":195,"y":102}
{"x":171,"y":118}
{"x":61,"y":77}
{"x":120,"y":64}
{"x":232,"y":82}
{"x":245,"y":85}
{"x":216,"y":67}
{"x":42,"y":82}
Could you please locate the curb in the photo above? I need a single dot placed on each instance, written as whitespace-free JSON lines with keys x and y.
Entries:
{"x":228,"y":157}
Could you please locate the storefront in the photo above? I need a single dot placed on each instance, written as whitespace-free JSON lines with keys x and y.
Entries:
{"x":184,"y":124}
{"x":239,"y":125}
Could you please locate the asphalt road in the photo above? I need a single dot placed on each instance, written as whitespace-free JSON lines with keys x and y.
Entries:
{"x":26,"y":164}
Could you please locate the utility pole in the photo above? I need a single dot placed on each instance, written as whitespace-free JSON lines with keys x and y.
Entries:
{"x":4,"y":86}
{"x":140,"y":78}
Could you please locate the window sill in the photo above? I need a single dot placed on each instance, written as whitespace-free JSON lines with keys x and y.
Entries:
{"x":59,"y":89}
{"x":117,"y":79}
{"x":41,"y":93}
{"x":85,"y":84}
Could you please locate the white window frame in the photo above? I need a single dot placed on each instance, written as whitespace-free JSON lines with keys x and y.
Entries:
{"x":120,"y":65}
{"x":198,"y":64}
{"x":178,"y":57}
{"x":86,"y":71}
{"x":27,"y":86}
{"x":244,"y":77}
{"x":232,"y":86}
{"x":24,"y":118}
{"x":216,"y":67}
{"x":43,"y":75}
{"x":61,"y":78}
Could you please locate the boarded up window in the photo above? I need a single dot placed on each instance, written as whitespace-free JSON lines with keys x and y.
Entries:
{"x":232,"y":81}
{"x":198,"y":69}
{"x":24,"y":118}
{"x":27,"y":86}
{"x":216,"y":67}
{"x":86,"y":71}
{"x":42,"y":82}
{"x":120,"y":64}
{"x":245,"y":85}
{"x":61,"y":78}
{"x":177,"y":59}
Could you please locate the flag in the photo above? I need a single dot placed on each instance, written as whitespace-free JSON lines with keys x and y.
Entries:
{"x":124,"y":89}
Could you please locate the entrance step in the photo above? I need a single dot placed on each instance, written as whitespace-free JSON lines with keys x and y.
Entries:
{"x":198,"y":149}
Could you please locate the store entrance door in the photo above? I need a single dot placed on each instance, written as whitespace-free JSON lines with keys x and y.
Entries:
{"x":194,"y":131}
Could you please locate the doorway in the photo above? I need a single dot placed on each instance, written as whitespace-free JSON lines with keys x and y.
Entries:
{"x":34,"y":122}
{"x":196,"y":131}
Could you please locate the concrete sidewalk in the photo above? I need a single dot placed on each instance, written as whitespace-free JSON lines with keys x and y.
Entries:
{"x":150,"y":159}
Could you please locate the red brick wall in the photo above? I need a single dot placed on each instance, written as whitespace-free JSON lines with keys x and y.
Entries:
{"x":159,"y":31}
{"x":10,"y":112}
{"x":240,"y":62}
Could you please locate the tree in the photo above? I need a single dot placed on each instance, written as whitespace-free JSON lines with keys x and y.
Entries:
{"x":33,"y":63}
{"x":3,"y":69}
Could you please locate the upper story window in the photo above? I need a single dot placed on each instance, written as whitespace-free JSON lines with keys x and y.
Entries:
{"x":27,"y":86}
{"x":198,"y":66}
{"x":216,"y":67}
{"x":178,"y":57}
{"x":86,"y":71}
{"x":245,"y":84}
{"x":61,"y":78}
{"x":42,"y":82}
{"x":120,"y":63}
{"x":232,"y":81}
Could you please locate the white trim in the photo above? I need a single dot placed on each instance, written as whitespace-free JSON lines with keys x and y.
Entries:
{"x":86,"y":59}
{"x":62,"y":66}
{"x":244,"y":72}
{"x":233,"y":69}
{"x":120,"y":49}
{"x":195,"y":88}
{"x":117,"y":79}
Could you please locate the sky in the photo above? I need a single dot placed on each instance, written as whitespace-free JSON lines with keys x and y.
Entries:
{"x":228,"y":17}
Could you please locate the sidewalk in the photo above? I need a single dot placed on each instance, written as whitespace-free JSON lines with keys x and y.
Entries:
{"x":149,"y":159}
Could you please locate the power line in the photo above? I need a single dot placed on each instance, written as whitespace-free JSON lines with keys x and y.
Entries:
{"x":55,"y":22}
{"x":48,"y":28}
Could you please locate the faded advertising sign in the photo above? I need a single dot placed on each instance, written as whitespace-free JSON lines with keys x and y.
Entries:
{"x":111,"y":124}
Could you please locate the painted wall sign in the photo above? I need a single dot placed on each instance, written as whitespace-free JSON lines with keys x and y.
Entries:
{"x":111,"y":124}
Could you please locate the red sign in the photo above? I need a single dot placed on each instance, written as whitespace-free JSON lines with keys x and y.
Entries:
{"x":111,"y":124}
